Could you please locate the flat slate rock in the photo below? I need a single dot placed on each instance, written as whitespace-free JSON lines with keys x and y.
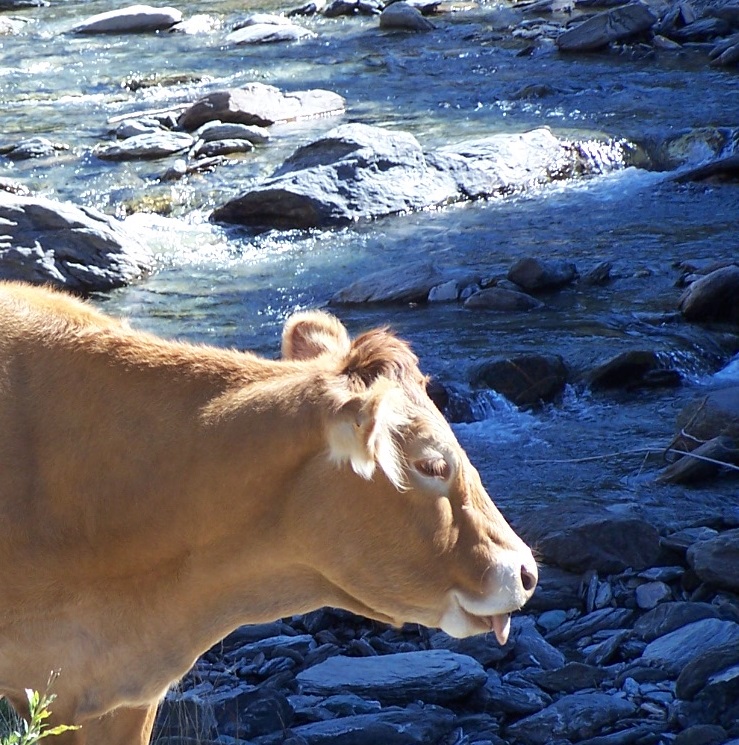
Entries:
{"x":673,"y":651}
{"x":268,"y":33}
{"x":716,"y":560}
{"x":574,"y":717}
{"x":45,"y":241}
{"x":134,"y":19}
{"x":261,"y":105}
{"x":435,"y":676}
{"x":146,"y":146}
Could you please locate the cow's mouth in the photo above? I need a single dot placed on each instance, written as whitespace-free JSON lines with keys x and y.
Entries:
{"x":499,"y":624}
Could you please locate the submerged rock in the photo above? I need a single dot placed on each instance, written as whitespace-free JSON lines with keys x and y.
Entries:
{"x":534,"y":274}
{"x":134,"y":19}
{"x":45,"y":241}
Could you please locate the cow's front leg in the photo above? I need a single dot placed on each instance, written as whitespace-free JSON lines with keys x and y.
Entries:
{"x":120,"y":727}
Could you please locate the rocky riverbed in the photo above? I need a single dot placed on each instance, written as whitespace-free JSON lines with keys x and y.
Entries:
{"x":541,"y":196}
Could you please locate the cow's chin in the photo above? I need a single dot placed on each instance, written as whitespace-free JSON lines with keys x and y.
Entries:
{"x":460,"y":622}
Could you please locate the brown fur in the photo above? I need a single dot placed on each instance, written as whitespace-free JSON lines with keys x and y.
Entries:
{"x":156,"y":495}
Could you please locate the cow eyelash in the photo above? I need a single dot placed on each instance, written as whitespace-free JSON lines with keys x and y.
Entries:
{"x":436,"y":468}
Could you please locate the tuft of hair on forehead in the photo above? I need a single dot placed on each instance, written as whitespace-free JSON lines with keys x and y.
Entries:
{"x":379,"y":353}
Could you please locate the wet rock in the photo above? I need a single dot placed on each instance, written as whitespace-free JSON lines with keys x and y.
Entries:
{"x":582,"y":541}
{"x":602,"y":29}
{"x":411,"y":284}
{"x":33,"y":147}
{"x":669,"y":617}
{"x":268,"y":33}
{"x":573,"y":717}
{"x":261,"y":105}
{"x":675,"y":650}
{"x":133,"y":127}
{"x":434,"y":676}
{"x":722,"y":169}
{"x":702,"y":463}
{"x":714,"y":297}
{"x":712,"y":415}
{"x":147,"y":146}
{"x":133,"y":19}
{"x":67,"y":246}
{"x":402,"y":15}
{"x":725,"y":52}
{"x":222,"y":147}
{"x":633,"y":369}
{"x":542,"y":274}
{"x":716,"y":560}
{"x":524,"y":380}
{"x":393,"y":726}
{"x":22,"y":4}
{"x":502,"y":300}
{"x":217,"y":130}
{"x":703,"y":29}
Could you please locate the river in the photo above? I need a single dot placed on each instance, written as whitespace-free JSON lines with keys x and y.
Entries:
{"x":230,"y":287}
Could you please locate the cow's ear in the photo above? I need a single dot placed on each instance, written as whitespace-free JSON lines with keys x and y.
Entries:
{"x":365,"y":430}
{"x":312,"y":334}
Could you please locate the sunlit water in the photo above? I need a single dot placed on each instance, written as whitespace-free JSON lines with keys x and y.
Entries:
{"x":234,"y":288}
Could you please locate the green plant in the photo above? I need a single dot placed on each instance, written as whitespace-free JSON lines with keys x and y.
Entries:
{"x":31,"y":730}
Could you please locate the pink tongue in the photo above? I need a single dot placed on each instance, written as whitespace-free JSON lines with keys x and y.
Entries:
{"x":502,"y":627}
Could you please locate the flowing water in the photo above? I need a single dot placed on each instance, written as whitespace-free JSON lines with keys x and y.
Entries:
{"x":234,"y":288}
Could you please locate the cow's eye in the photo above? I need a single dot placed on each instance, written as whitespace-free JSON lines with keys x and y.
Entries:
{"x":436,"y":468}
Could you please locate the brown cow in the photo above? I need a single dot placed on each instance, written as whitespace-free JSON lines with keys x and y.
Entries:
{"x":155,"y":495}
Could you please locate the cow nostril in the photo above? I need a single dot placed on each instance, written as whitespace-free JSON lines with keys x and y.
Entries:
{"x":528,"y":580}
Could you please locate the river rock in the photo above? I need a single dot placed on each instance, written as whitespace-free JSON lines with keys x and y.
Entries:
{"x":698,"y":673}
{"x":675,"y":650}
{"x":669,"y":617}
{"x":712,"y":415}
{"x":704,"y":462}
{"x":635,"y":368}
{"x":354,"y":171}
{"x":217,"y":130}
{"x":215,"y":148}
{"x":45,"y":241}
{"x":524,"y":380}
{"x":602,"y":29}
{"x":146,"y":146}
{"x":714,"y":297}
{"x":716,"y":560}
{"x":32,"y":147}
{"x":574,"y":676}
{"x":261,"y":105}
{"x":575,"y":717}
{"x":589,"y":624}
{"x":500,"y":696}
{"x":268,"y":33}
{"x":402,"y":15}
{"x":434,"y":676}
{"x":353,"y":7}
{"x":651,"y":594}
{"x":133,"y":19}
{"x":582,"y":541}
{"x":502,"y":300}
{"x":535,"y":274}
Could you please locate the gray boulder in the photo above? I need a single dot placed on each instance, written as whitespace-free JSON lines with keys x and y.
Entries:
{"x":268,"y":33}
{"x":146,"y":146}
{"x":134,"y":19}
{"x":402,"y":15}
{"x":707,"y":417}
{"x":261,"y":105}
{"x":45,"y":241}
{"x":612,"y":25}
{"x":535,"y":274}
{"x":502,"y":300}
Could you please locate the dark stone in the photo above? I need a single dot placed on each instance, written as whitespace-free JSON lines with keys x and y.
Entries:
{"x":705,"y":462}
{"x":722,"y":169}
{"x":700,"y":670}
{"x":573,"y":717}
{"x":575,"y":676}
{"x":682,"y":540}
{"x":482,"y":647}
{"x":701,"y":734}
{"x":502,"y":300}
{"x":556,"y":589}
{"x":714,"y":297}
{"x":579,"y":541}
{"x":716,"y":560}
{"x":542,"y":274}
{"x":712,"y":415}
{"x":499,"y":695}
{"x":632,"y":369}
{"x":668,"y":617}
{"x":524,"y":380}
{"x":251,"y":713}
{"x":598,"y":620}
{"x":531,"y":648}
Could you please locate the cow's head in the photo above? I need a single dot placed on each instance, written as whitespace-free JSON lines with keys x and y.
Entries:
{"x":399,"y":523}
